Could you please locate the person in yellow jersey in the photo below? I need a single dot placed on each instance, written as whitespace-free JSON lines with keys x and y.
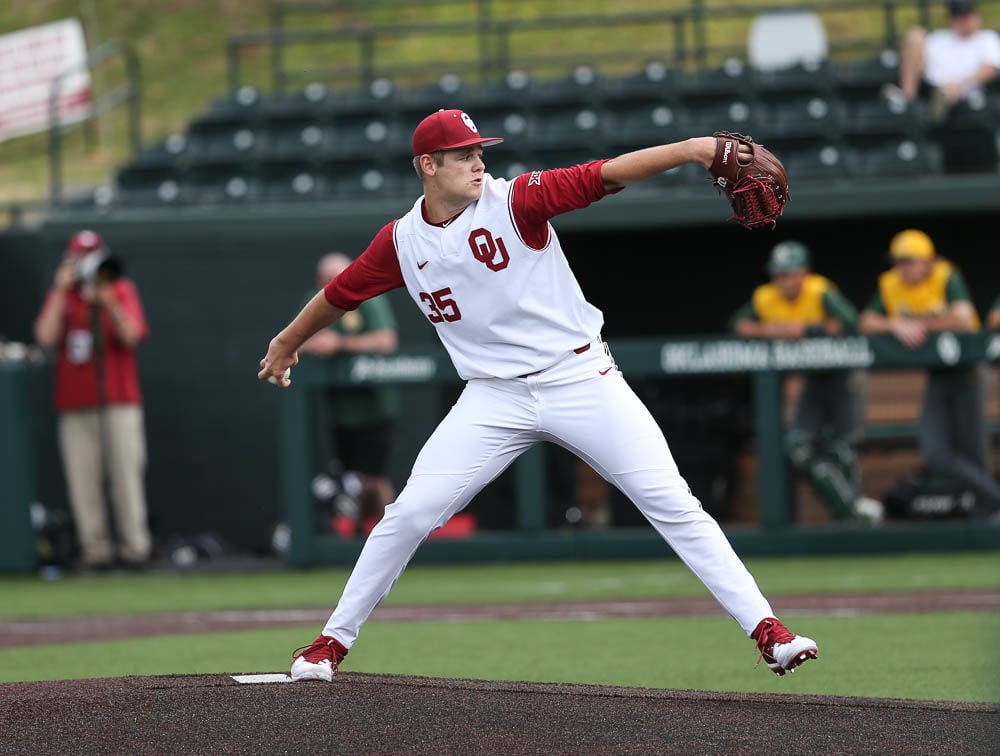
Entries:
{"x":922,"y":294}
{"x":821,"y":440}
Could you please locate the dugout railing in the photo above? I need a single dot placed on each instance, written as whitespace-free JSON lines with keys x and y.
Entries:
{"x":764,"y":361}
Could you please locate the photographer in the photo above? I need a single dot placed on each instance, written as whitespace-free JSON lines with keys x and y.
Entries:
{"x":93,"y":318}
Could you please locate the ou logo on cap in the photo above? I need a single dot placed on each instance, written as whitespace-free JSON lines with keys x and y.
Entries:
{"x":468,"y":122}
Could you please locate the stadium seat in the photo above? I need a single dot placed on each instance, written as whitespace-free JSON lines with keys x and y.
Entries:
{"x":865,"y":78}
{"x":363,"y":134}
{"x":574,"y":124}
{"x":291,"y":181}
{"x":377,"y":99}
{"x":449,"y":91}
{"x":645,"y":124}
{"x":799,"y":115}
{"x":806,"y":159}
{"x":805,"y":77}
{"x":968,"y":137}
{"x":510,"y":121}
{"x":221,"y":183}
{"x":980,"y":110}
{"x":360,"y":180}
{"x":797,"y":99}
{"x":210,"y":142}
{"x":879,"y":115}
{"x":733,"y":78}
{"x":704,"y":116}
{"x":311,"y":102}
{"x":581,"y":87}
{"x":991,"y":97}
{"x":241,"y":107}
{"x":297,"y":139}
{"x":516,"y":87}
{"x":655,"y":81}
{"x":169,"y":152}
{"x":900,"y":157}
{"x":147,"y":185}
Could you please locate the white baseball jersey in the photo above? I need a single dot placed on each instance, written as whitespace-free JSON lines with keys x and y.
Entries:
{"x":493,"y":281}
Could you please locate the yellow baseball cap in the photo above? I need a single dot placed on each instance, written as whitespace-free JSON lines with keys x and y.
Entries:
{"x":911,"y":244}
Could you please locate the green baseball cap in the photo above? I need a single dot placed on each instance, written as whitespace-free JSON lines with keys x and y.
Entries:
{"x":788,"y":256}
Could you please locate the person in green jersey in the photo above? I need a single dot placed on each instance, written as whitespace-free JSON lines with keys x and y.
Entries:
{"x":360,"y":420}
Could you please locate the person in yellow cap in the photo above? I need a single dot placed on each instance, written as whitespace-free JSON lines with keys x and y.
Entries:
{"x":820,"y":443}
{"x":922,"y":294}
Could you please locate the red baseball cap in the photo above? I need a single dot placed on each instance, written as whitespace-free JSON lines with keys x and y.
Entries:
{"x":83,"y":242}
{"x":448,"y":130}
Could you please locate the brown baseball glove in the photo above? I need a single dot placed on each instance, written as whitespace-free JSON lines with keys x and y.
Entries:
{"x":755,"y":185}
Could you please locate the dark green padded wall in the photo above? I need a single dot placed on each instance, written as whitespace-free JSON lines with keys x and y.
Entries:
{"x":218,"y":287}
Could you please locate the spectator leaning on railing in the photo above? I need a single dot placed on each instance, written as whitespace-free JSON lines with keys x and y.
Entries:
{"x":922,"y":294}
{"x":820,"y":442}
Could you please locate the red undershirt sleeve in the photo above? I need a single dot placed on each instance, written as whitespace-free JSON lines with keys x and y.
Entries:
{"x":375,"y":272}
{"x":539,"y":196}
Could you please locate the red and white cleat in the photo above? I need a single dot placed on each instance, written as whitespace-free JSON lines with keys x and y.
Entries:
{"x":782,"y":649}
{"x":319,"y":660}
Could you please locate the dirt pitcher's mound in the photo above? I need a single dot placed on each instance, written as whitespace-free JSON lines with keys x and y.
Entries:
{"x":368,"y":713}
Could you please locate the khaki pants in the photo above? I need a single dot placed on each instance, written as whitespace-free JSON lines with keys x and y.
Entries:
{"x":111,"y":441}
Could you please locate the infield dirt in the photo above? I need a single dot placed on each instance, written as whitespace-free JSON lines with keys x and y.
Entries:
{"x":387,"y":714}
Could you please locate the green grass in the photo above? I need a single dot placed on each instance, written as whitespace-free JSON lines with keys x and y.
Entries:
{"x":936,"y":656}
{"x":27,"y":597}
{"x":932,"y":657}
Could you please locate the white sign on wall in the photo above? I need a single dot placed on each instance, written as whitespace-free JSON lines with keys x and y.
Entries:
{"x":30,"y":60}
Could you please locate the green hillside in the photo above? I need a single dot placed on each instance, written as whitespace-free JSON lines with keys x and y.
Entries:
{"x":183,"y":64}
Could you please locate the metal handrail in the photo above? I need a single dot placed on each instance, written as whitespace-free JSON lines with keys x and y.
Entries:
{"x":128,"y":92}
{"x":689,"y":33}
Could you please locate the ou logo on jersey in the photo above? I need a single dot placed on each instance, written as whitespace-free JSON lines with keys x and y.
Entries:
{"x":489,"y":251}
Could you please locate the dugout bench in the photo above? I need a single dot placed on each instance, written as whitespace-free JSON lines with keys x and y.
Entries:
{"x":764,"y":361}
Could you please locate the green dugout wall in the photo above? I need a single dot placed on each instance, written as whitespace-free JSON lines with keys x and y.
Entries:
{"x":218,"y":284}
{"x":764,"y":361}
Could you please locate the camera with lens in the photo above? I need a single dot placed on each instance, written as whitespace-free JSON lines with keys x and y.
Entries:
{"x":98,"y":267}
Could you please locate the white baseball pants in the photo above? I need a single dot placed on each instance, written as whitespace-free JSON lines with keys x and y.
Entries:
{"x":584,"y":404}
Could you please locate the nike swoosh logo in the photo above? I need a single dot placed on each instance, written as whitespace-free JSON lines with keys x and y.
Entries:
{"x":420,"y":266}
{"x":605,"y":371}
